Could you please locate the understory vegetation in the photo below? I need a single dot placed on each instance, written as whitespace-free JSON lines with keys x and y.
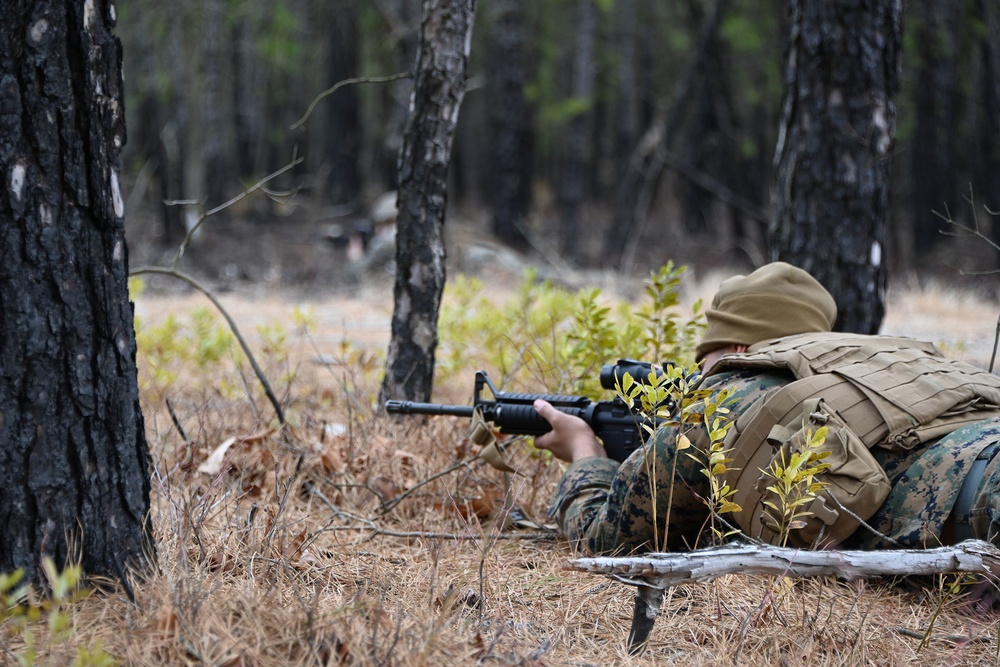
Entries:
{"x":347,"y":537}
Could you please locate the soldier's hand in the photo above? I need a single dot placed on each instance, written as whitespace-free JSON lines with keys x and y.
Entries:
{"x":570,"y":439}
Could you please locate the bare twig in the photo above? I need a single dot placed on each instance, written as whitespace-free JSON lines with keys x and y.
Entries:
{"x":201,"y":218}
{"x":159,"y":270}
{"x":347,"y":82}
{"x":969,"y":232}
{"x":176,"y":421}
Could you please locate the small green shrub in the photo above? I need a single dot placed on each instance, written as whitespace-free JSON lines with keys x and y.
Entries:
{"x":546,"y":336}
{"x":44,"y":626}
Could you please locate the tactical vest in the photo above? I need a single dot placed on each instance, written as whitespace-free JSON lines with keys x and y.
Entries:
{"x":869,"y":391}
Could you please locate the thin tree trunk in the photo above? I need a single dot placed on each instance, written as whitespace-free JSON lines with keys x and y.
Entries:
{"x":836,"y":135}
{"x":438,"y":89}
{"x":932,"y":160}
{"x":343,"y":127}
{"x":72,"y":445}
{"x":510,"y":116}
{"x":578,"y":133}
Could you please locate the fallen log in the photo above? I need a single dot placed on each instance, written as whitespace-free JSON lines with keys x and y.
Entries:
{"x":653,"y":573}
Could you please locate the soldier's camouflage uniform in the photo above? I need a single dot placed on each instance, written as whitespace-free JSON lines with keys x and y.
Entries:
{"x":605,"y":508}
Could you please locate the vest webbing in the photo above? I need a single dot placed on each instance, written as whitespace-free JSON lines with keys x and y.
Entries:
{"x":891,"y":392}
{"x":917,"y":393}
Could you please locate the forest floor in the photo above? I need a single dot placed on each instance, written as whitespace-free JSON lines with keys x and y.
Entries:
{"x":349,"y":539}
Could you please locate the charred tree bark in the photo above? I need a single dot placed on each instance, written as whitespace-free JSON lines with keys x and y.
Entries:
{"x":438,"y":89}
{"x":512,"y":138}
{"x":72,"y":445}
{"x":837,"y":130}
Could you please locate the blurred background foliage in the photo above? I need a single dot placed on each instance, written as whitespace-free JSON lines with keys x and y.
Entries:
{"x":563,"y":94}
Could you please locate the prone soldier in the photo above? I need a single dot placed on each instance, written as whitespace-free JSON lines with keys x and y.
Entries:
{"x":911,"y":437}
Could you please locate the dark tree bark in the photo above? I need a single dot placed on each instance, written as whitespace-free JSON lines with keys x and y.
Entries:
{"x":577,"y":157}
{"x":932,"y":157}
{"x":403,"y":16}
{"x":625,"y":127}
{"x":438,"y":89}
{"x":836,"y":135}
{"x":343,"y":127}
{"x":215,"y":165}
{"x":72,"y":446}
{"x":990,"y":44}
{"x":248,"y":80}
{"x":512,"y":136}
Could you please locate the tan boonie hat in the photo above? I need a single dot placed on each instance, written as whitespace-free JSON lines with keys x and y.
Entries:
{"x":776,"y":300}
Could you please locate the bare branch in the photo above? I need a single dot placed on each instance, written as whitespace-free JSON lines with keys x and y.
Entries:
{"x":348,"y":82}
{"x":661,"y":570}
{"x":164,"y":271}
{"x":201,"y":218}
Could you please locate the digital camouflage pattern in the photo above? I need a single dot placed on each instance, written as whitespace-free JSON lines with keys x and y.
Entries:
{"x":925,"y":487}
{"x":604,"y":508}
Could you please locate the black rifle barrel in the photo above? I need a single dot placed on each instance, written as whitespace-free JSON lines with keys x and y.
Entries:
{"x":412,"y":408}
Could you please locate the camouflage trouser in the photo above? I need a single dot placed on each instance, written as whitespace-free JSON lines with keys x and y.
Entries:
{"x":655,"y":500}
{"x":926,"y":484}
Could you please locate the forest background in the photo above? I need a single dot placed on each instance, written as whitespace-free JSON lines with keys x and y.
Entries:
{"x":562,"y":97}
{"x":342,"y":538}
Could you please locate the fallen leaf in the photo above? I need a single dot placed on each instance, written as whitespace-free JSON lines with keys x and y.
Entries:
{"x":213,"y":464}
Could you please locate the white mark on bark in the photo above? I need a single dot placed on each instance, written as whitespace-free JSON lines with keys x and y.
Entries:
{"x":850,"y":169}
{"x":45,"y":215}
{"x":118,"y":253}
{"x":120,"y":342}
{"x":112,"y":12}
{"x":423,"y":334}
{"x":17,"y":180}
{"x":876,"y":254}
{"x":836,"y":98}
{"x":881,"y":130}
{"x":38,"y":30}
{"x":116,"y":195}
{"x":88,"y":14}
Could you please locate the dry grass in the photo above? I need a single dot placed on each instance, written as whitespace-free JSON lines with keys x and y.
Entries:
{"x":305,"y":549}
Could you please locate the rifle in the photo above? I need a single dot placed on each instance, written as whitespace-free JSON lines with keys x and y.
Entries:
{"x":619,"y":428}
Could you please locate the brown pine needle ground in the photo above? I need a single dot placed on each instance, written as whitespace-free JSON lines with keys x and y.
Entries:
{"x":337,"y":540}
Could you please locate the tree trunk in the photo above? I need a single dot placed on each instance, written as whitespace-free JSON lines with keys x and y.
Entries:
{"x":72,"y":446}
{"x":578,"y":133}
{"x":990,"y":43}
{"x":438,"y":89}
{"x":343,"y":127}
{"x":511,"y":120}
{"x":213,"y":103}
{"x":835,"y":139}
{"x":401,"y":19}
{"x":933,"y":166}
